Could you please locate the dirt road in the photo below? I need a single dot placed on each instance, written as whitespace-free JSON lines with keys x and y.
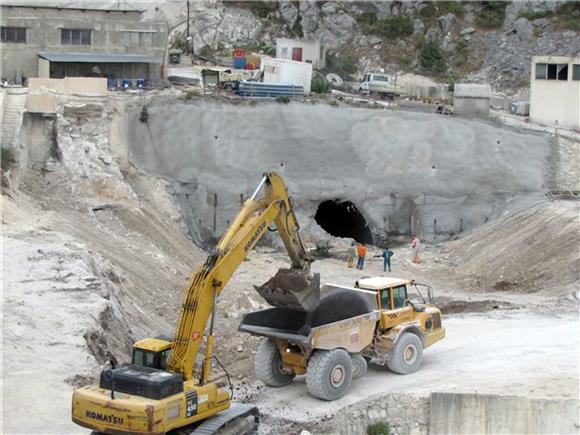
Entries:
{"x":500,"y":353}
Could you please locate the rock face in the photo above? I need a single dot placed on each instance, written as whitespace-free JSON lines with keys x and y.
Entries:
{"x":433,"y":34}
{"x":289,"y":12}
{"x":228,"y":26}
{"x":524,"y":29}
{"x":447,"y":23}
{"x":418,"y":27}
{"x":340,"y":28}
{"x":340,"y":142}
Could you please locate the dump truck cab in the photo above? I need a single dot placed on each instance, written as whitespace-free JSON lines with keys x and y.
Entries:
{"x":399,"y":314}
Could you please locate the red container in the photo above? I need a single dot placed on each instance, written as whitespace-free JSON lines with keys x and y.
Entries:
{"x":239,"y":52}
{"x":250,"y":66}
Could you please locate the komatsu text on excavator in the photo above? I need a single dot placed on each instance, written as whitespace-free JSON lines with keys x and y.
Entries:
{"x":160,"y":390}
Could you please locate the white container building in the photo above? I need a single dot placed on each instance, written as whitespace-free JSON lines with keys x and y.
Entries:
{"x":287,"y":72}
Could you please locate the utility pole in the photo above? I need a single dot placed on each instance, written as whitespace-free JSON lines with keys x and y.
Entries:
{"x":187,"y":37}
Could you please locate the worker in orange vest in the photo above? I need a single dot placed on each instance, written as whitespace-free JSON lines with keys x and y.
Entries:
{"x":362,"y":252}
{"x":415,"y":246}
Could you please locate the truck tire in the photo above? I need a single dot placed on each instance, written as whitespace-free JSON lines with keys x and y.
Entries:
{"x":359,"y":366}
{"x":407,"y":355}
{"x":268,"y":365}
{"x":329,"y":374}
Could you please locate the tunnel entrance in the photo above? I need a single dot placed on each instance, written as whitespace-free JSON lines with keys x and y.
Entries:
{"x":343,"y":219}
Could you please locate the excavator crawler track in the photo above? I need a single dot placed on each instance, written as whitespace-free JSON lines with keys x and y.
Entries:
{"x":245,"y":419}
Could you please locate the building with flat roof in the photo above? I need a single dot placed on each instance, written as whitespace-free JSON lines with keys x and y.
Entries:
{"x":53,"y":42}
{"x":555,"y":91}
{"x":302,"y":50}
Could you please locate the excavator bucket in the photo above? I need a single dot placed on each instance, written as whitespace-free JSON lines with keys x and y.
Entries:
{"x":293,"y":289}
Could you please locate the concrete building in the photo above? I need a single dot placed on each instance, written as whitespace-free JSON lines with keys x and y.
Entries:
{"x":555,"y":91}
{"x":54,"y":42}
{"x":302,"y":50}
{"x":470,"y":99}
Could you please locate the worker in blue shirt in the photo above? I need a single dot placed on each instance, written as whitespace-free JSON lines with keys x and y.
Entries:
{"x":387,"y":254}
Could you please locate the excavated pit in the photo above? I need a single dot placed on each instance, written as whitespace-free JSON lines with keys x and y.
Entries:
{"x":343,"y":219}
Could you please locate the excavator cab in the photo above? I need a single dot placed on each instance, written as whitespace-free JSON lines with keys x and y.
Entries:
{"x":152,"y":352}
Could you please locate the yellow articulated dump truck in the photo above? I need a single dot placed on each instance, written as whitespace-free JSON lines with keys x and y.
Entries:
{"x":372,"y":321}
{"x":161,"y":390}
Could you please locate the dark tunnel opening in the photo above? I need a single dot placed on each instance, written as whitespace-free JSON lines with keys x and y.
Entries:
{"x":343,"y":219}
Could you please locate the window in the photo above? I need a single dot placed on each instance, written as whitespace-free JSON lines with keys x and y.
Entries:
{"x":143,"y":358}
{"x":75,"y":37}
{"x":284,"y":52}
{"x":386,"y":299}
{"x":399,"y":296}
{"x":576,"y":72}
{"x":14,"y":34}
{"x":163,"y":361}
{"x":138,"y":357}
{"x":562,"y":72}
{"x":541,"y":71}
{"x":138,"y":39}
{"x":149,"y":359}
{"x":552,"y":71}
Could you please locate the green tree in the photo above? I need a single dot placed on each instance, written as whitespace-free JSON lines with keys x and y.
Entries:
{"x":344,"y":65}
{"x":492,"y":15}
{"x":319,"y":86}
{"x":431,"y":58}
{"x":396,"y":27}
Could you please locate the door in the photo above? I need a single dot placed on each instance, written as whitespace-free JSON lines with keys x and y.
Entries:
{"x":297,"y":54}
{"x":394,"y":308}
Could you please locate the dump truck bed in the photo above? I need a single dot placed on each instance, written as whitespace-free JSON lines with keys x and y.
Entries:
{"x":345,"y":318}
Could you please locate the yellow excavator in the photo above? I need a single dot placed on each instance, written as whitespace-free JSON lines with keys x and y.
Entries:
{"x":160,"y":390}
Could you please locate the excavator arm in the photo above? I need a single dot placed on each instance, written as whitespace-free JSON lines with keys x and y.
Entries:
{"x":296,"y":287}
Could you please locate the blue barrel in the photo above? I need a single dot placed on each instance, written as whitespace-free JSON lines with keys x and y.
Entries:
{"x":239,"y":62}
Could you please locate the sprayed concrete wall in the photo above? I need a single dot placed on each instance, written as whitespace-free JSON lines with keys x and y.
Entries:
{"x":407,"y":172}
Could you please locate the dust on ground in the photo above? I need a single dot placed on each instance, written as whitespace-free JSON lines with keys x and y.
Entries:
{"x":96,"y":256}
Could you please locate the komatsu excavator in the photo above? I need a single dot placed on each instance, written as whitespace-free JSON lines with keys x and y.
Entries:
{"x":160,"y":390}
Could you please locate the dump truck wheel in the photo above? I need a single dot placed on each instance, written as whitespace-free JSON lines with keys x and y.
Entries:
{"x":407,"y":355}
{"x":268,"y":365}
{"x":359,"y":366}
{"x":329,"y":374}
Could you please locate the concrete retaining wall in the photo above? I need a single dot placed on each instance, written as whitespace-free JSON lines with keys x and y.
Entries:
{"x":453,"y":413}
{"x":456,"y":413}
{"x":70,"y":85}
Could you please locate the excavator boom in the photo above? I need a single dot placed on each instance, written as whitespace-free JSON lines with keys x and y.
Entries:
{"x":296,"y":287}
